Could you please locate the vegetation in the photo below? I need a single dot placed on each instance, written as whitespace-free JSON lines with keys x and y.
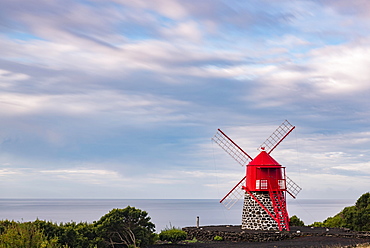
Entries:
{"x":172,"y":235}
{"x":356,"y":217}
{"x":128,"y":227}
{"x":218,"y":238}
{"x":295,"y":221}
{"x":24,"y":235}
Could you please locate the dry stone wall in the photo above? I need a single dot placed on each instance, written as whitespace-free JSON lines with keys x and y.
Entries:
{"x":236,"y":234}
{"x":243,"y":236}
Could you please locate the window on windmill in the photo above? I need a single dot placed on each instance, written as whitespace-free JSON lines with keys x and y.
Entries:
{"x":263,"y":184}
{"x":257,"y":184}
{"x":281,"y":184}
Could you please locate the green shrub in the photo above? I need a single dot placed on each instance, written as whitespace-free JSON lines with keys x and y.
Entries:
{"x":25,"y":235}
{"x":356,"y":217}
{"x":218,"y":238}
{"x":317,"y":224}
{"x":128,"y":227}
{"x":194,"y":240}
{"x":173,"y":235}
{"x":336,"y":221}
{"x":295,"y":221}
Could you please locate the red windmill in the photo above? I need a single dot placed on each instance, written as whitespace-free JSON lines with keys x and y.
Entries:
{"x":265,"y":185}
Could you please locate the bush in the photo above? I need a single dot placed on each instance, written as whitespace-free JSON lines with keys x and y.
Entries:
{"x":25,"y":235}
{"x":126,"y":227}
{"x":295,"y":221}
{"x":173,"y":235}
{"x":335,"y":221}
{"x":218,"y":238}
{"x":356,"y":217}
{"x":317,"y":224}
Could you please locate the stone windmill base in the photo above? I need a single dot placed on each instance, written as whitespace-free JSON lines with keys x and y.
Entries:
{"x":254,"y":216}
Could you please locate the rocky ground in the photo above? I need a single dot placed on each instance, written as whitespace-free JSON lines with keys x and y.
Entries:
{"x":308,"y":237}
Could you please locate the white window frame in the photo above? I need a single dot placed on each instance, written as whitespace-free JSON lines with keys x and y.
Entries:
{"x":264,"y":184}
{"x":281,"y":184}
{"x":257,"y":184}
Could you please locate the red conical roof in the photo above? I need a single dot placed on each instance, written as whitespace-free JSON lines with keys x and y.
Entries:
{"x":264,"y":159}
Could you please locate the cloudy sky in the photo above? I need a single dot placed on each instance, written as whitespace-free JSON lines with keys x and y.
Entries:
{"x":120,"y":99}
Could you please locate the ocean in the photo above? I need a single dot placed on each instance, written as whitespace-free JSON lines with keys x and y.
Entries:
{"x":164,"y":212}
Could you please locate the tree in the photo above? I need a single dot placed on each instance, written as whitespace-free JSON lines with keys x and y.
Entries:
{"x":362,"y":219}
{"x":336,"y":221}
{"x":70,"y":234}
{"x":128,"y":227}
{"x":355,"y":217}
{"x":364,"y":201}
{"x":295,"y":221}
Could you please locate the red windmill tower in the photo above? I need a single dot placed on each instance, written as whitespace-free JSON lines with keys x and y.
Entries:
{"x":265,"y":185}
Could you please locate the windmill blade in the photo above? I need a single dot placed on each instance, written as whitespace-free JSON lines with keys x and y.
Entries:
{"x":234,"y":195}
{"x":292,"y":188}
{"x":277,"y":137}
{"x":231,"y":148}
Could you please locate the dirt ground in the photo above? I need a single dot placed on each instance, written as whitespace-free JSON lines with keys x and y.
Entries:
{"x":335,"y":240}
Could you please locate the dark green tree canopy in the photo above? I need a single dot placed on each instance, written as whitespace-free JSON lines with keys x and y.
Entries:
{"x":295,"y":221}
{"x":363,"y":202}
{"x":355,"y":217}
{"x":126,"y":227}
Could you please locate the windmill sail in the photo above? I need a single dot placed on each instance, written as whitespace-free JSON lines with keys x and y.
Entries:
{"x":231,"y":148}
{"x":277,"y":137}
{"x":292,"y":188}
{"x":234,"y":195}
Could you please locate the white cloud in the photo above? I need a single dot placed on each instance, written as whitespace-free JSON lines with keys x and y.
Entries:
{"x":152,"y":107}
{"x":341,"y":69}
{"x":184,"y":32}
{"x":146,"y":80}
{"x":6,"y":172}
{"x":171,"y":9}
{"x":8,"y":78}
{"x":289,"y":41}
{"x":84,"y":175}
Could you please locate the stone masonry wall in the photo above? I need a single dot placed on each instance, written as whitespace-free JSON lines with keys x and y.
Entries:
{"x":263,"y":236}
{"x":254,"y":217}
{"x":238,"y":235}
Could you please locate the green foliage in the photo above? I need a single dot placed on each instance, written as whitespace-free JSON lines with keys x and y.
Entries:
{"x":295,"y":221}
{"x":111,"y":230}
{"x":24,"y":235}
{"x":194,"y":240}
{"x":218,"y":238}
{"x":71,"y":234}
{"x":364,"y":201}
{"x":362,"y":217}
{"x":127,"y":227}
{"x":173,"y":235}
{"x":355,"y":217}
{"x":78,"y":235}
{"x":317,"y":224}
{"x":336,"y":221}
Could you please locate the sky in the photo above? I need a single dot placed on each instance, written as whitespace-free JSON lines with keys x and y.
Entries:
{"x":120,"y":99}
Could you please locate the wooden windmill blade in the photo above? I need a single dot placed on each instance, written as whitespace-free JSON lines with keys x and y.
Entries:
{"x":277,"y":137}
{"x":292,"y":188}
{"x":229,"y":146}
{"x":234,"y":195}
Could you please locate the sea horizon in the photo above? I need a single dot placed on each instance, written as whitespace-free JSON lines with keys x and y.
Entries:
{"x":163,"y":212}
